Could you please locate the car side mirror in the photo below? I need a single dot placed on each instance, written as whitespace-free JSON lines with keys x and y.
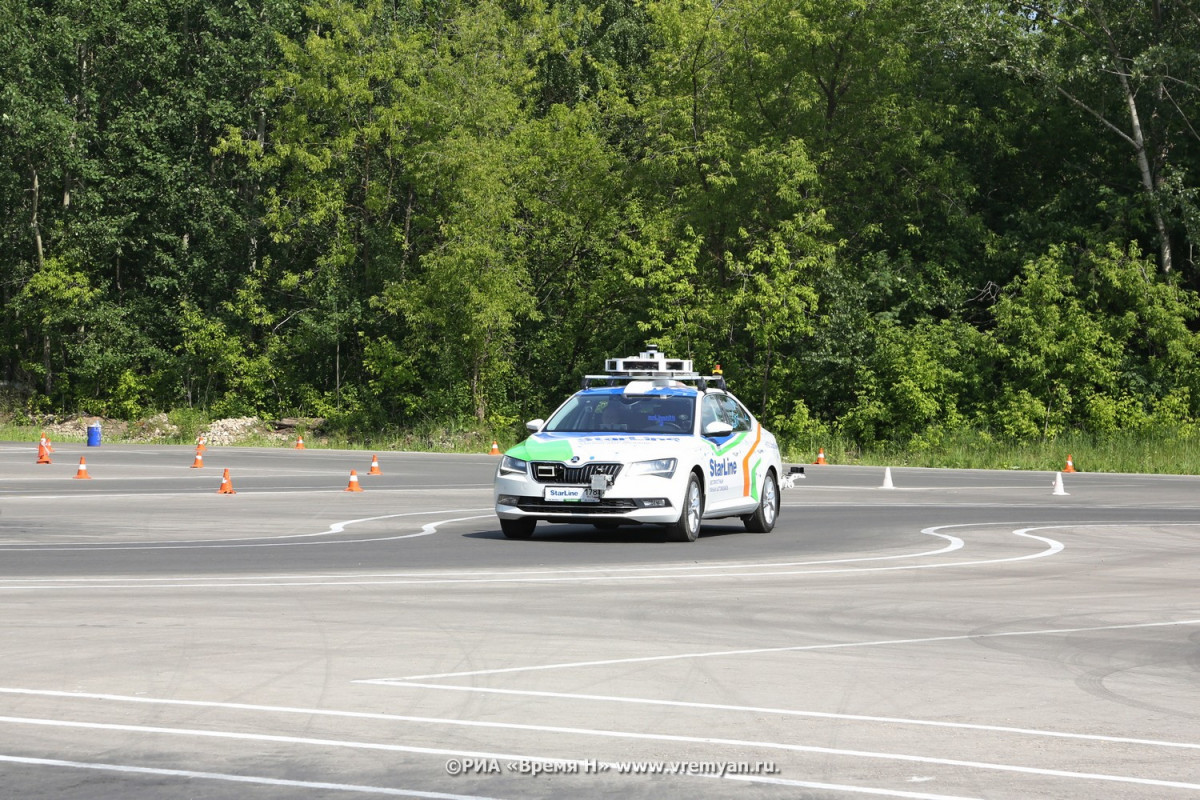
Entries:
{"x":717,"y":429}
{"x":534,"y":425}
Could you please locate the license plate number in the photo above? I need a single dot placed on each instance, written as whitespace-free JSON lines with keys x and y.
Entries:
{"x":570,"y":494}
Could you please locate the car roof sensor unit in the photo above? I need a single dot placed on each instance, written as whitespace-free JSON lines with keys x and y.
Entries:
{"x":649,"y":364}
{"x":651,"y":368}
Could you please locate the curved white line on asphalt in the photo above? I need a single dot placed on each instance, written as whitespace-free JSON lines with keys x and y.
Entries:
{"x":614,"y":574}
{"x":953,"y":545}
{"x":220,"y":776}
{"x":256,"y":541}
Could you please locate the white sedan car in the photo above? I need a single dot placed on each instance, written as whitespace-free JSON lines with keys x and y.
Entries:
{"x":668,"y":451}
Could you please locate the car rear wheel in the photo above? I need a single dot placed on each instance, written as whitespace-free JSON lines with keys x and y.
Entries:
{"x":687,"y":527}
{"x":518,"y":528}
{"x":763,"y":518}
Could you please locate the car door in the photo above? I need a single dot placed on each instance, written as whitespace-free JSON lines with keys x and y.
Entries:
{"x":744,"y":445}
{"x":723,"y":471}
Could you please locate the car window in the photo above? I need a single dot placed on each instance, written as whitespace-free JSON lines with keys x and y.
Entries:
{"x":735,"y":413}
{"x":619,"y":413}
{"x":572,"y":416}
{"x":711,"y":411}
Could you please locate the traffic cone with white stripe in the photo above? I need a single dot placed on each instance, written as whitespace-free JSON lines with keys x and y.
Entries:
{"x":198,"y":463}
{"x":43,"y":454}
{"x":821,"y":457}
{"x":1070,"y":467}
{"x":375,"y":470}
{"x":226,"y":484}
{"x":82,"y":473}
{"x":353,"y":485}
{"x":495,"y":451}
{"x":300,"y":443}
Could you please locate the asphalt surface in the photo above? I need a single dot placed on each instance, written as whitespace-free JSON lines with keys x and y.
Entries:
{"x":965,"y":634}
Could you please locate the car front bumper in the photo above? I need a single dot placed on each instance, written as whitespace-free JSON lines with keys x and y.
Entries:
{"x":650,"y":500}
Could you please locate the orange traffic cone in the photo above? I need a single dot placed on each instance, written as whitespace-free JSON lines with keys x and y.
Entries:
{"x":226,"y":484}
{"x":495,"y":451}
{"x":46,"y":442}
{"x":1070,"y":467}
{"x":821,"y":457}
{"x":199,"y":462}
{"x":300,"y":443}
{"x":375,"y":470}
{"x":201,"y":444}
{"x":43,"y":454}
{"x":353,"y":486}
{"x":82,"y":473}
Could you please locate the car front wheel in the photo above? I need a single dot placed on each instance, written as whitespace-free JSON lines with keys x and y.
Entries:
{"x":763,"y":518}
{"x":518,"y":528}
{"x":687,"y":527}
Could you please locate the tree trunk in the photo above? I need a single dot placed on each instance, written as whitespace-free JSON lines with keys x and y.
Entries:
{"x":49,"y":383}
{"x":33,"y":223}
{"x":1165,"y":259}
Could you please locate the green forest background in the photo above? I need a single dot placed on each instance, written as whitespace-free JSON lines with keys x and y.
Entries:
{"x":900,"y":223}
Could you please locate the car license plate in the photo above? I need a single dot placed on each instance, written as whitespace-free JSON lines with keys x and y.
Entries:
{"x":570,"y":494}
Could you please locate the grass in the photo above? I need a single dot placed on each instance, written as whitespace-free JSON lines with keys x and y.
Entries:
{"x":1155,"y":452}
{"x":432,"y":439}
{"x":1174,"y":452}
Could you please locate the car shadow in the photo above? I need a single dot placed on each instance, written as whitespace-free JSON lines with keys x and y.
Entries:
{"x":625,"y":534}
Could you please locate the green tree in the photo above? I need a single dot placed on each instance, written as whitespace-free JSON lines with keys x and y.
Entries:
{"x":1129,"y":69}
{"x":1083,"y":336}
{"x":108,"y":113}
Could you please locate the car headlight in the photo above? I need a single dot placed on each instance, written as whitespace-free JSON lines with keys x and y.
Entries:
{"x":662,"y":467}
{"x":510,"y":466}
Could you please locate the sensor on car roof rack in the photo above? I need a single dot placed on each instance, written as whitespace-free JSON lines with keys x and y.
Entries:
{"x":654,"y":365}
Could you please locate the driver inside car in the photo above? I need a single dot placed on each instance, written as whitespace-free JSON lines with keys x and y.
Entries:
{"x":612,"y":418}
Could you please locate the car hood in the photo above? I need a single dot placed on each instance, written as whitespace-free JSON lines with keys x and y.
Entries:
{"x":586,"y":447}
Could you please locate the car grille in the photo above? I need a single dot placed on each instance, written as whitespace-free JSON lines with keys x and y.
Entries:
{"x":556,"y":472}
{"x":536,"y":505}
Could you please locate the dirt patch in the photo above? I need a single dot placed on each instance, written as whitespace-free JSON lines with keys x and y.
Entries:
{"x":76,"y":427}
{"x":239,"y":429}
{"x":159,"y":428}
{"x":154,"y":429}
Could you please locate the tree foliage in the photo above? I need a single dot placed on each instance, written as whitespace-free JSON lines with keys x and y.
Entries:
{"x":897,"y":218}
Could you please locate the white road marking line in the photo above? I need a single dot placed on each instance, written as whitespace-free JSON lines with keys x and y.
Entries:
{"x":614,"y":575}
{"x":954,"y":543}
{"x":388,"y":717}
{"x":835,"y":787}
{"x":177,"y":472}
{"x":779,"y":746}
{"x":342,"y":787}
{"x":275,"y":541}
{"x":966,"y":504}
{"x":220,"y":776}
{"x":91,"y":495}
{"x":766,"y":650}
{"x":786,"y":712}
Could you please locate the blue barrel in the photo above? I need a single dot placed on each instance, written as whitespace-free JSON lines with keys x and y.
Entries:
{"x":94,"y":435}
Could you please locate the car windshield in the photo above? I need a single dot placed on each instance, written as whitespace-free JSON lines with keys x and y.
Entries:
{"x":608,"y":413}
